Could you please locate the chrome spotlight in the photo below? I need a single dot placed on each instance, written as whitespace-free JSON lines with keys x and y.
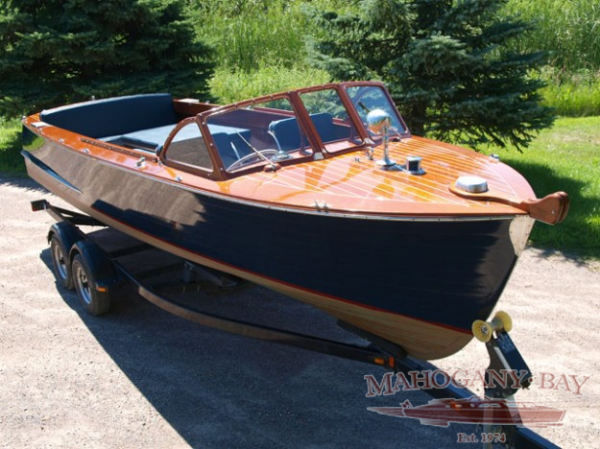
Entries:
{"x":379,"y":123}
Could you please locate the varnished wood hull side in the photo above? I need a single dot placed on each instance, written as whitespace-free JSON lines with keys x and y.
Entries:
{"x":419,"y":284}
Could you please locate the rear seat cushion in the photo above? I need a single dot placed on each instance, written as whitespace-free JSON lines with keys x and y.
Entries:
{"x":114,"y":116}
{"x":151,"y":138}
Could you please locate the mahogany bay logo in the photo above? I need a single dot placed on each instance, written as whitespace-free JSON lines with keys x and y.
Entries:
{"x":473,"y":409}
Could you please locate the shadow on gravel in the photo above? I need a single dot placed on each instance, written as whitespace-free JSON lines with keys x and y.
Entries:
{"x":220,"y":390}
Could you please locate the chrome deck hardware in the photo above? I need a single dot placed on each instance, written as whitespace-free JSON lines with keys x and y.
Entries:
{"x":472,"y":184}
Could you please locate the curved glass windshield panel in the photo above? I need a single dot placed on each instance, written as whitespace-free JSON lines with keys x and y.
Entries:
{"x":330,"y":119}
{"x":262,"y":133}
{"x":369,"y":98}
{"x":188,"y":147}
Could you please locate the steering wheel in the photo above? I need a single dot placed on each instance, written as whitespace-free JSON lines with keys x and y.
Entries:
{"x":251,"y":158}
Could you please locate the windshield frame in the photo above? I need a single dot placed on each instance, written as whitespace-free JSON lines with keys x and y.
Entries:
{"x":320,"y":150}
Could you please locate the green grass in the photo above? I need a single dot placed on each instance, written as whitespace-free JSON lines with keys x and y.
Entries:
{"x":249,"y":34}
{"x":572,"y":94}
{"x":566,"y":158}
{"x":11,"y":160}
{"x":567,"y":30}
{"x":260,"y":45}
{"x":230,"y":87}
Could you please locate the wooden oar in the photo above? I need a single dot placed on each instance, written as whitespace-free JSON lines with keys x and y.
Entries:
{"x":551,"y":209}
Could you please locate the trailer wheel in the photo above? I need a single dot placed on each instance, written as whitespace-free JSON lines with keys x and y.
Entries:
{"x":60,"y":263}
{"x":94,"y":301}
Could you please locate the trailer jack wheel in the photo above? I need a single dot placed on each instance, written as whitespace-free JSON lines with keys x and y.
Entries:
{"x":95,"y":299}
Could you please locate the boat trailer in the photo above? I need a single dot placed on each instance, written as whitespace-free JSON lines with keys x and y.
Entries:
{"x":82,"y":263}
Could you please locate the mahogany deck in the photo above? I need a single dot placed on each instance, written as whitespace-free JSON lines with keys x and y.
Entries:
{"x":343,"y":183}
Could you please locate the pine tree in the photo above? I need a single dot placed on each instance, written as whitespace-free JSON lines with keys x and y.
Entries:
{"x":446,"y":65}
{"x":54,"y":52}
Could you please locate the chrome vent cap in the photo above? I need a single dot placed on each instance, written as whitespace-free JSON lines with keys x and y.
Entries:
{"x":472,"y":184}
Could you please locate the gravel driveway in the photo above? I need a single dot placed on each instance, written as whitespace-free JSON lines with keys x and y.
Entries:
{"x":140,"y":377}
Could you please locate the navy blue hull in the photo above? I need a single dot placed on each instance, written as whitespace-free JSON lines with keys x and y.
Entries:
{"x":447,"y":272}
{"x":428,"y":270}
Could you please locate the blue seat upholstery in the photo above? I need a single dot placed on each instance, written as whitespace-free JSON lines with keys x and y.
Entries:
{"x":230,"y":145}
{"x":324,"y":124}
{"x":288,"y":134}
{"x":149,"y":138}
{"x":114,"y":116}
{"x":153,"y":137}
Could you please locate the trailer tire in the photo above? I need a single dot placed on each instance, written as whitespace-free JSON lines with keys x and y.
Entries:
{"x":60,"y":263}
{"x":95,"y":302}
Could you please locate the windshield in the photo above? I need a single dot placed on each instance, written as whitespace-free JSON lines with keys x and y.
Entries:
{"x":331,"y":120}
{"x":308,"y":124}
{"x":261,"y":132}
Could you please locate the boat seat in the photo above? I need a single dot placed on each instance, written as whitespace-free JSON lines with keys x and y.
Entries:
{"x":152,"y":137}
{"x":114,"y":116}
{"x":230,"y":145}
{"x":148,"y":138}
{"x":288,"y":134}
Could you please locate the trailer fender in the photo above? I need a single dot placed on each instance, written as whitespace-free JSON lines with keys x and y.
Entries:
{"x":66,"y":233}
{"x":97,"y":261}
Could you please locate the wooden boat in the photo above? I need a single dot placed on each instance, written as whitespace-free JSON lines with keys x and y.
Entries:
{"x":319,"y":193}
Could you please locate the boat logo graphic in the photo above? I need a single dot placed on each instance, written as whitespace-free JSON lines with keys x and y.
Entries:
{"x":475,"y":410}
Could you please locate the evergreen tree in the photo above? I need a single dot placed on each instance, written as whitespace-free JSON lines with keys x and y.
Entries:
{"x":446,"y":65}
{"x":54,"y":52}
